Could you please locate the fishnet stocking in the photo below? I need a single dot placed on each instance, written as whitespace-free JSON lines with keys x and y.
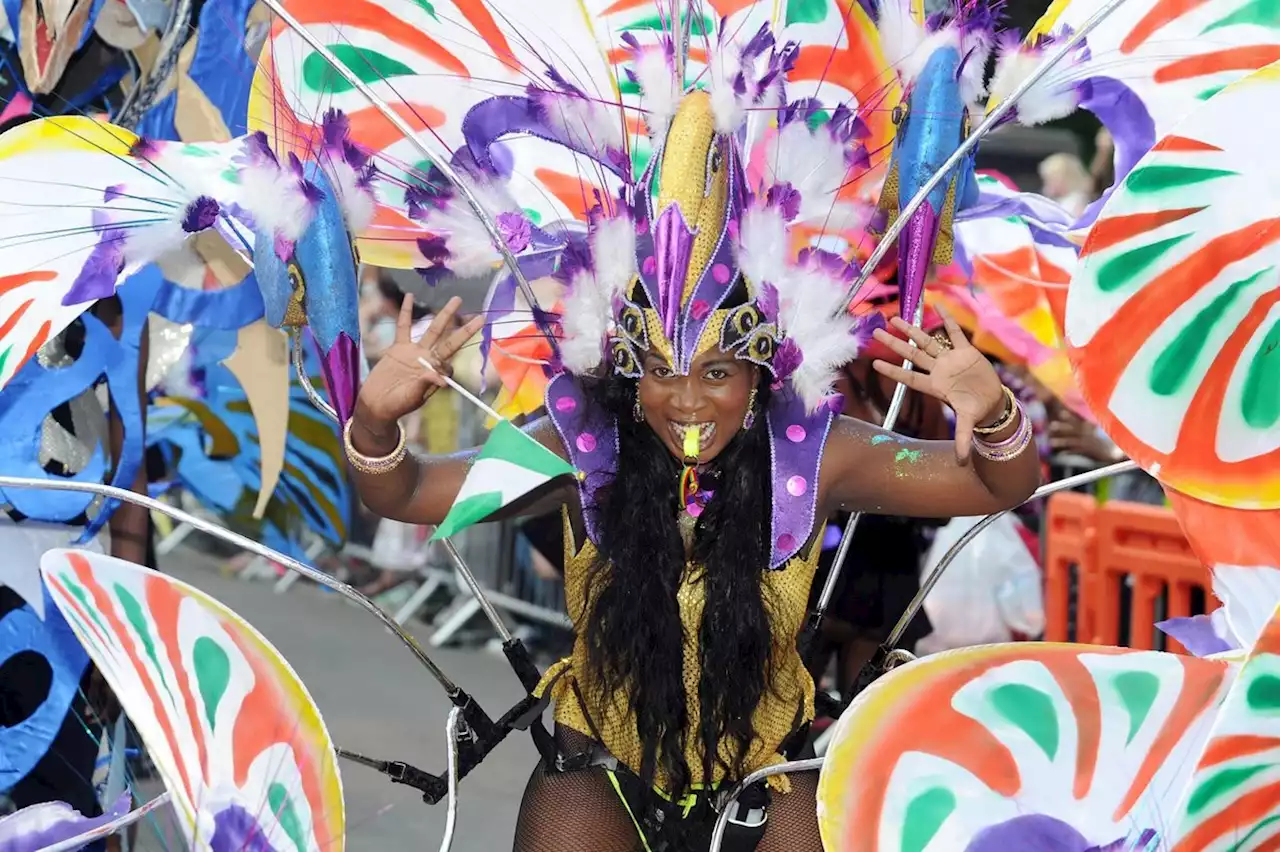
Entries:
{"x":793,"y":817}
{"x":573,"y":811}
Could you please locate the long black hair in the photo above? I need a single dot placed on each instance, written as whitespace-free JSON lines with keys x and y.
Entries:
{"x":635,"y":637}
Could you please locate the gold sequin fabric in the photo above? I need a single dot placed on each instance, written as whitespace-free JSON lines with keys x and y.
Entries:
{"x":786,"y":701}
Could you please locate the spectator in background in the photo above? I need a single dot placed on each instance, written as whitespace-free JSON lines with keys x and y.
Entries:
{"x":1103,"y":168}
{"x":1064,"y":179}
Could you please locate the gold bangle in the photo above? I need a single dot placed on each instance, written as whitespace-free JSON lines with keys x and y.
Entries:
{"x":1010,"y":409}
{"x":374,"y":465}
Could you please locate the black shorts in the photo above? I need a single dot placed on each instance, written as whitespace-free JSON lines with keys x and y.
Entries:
{"x":880,"y":577}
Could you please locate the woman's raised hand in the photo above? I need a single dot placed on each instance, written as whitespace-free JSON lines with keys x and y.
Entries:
{"x":958,"y":374}
{"x":399,"y":384}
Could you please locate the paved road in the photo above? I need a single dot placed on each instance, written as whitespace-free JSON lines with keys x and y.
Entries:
{"x":377,"y":700}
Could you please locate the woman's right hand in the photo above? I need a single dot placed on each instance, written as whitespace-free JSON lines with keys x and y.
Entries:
{"x":399,"y":384}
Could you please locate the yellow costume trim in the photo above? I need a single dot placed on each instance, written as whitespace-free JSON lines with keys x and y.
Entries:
{"x":787,"y":592}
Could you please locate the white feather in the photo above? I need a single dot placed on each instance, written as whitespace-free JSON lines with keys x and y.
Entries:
{"x":912,"y":65}
{"x":613,"y":255}
{"x":588,"y":303}
{"x":146,"y":245}
{"x":587,"y":312}
{"x":973,"y":87}
{"x":660,"y":89}
{"x":900,"y":34}
{"x":726,"y":105}
{"x":811,"y":313}
{"x":471,"y":249}
{"x":812,"y":161}
{"x":1047,"y":100}
{"x":357,"y":203}
{"x":762,"y":245}
{"x":275,"y":200}
{"x":182,"y":184}
{"x":586,"y":124}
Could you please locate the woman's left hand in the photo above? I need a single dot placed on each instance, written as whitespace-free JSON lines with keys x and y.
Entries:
{"x":958,"y":374}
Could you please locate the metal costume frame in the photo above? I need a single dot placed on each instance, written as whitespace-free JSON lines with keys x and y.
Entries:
{"x":471,"y":733}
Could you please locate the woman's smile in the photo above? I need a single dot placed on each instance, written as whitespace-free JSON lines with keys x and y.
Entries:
{"x":706,"y":433}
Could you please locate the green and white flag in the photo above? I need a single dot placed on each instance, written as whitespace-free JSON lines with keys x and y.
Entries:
{"x":509,"y":466}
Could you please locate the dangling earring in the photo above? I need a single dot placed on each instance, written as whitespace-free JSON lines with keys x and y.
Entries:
{"x":637,"y":410}
{"x":749,"y":419}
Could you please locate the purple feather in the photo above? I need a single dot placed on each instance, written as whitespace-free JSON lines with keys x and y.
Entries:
{"x":257,"y":151}
{"x":785,"y":197}
{"x":312,"y":193}
{"x":420,"y":199}
{"x":866,"y":326}
{"x":1007,"y":41}
{"x":575,"y":257}
{"x":559,"y":81}
{"x":787,"y":359}
{"x":760,"y":42}
{"x":112,"y":192}
{"x":284,"y":247}
{"x":858,"y":158}
{"x":143,"y":148}
{"x":801,"y":110}
{"x":200,"y":215}
{"x":978,"y":15}
{"x":366,"y":176}
{"x":829,"y":262}
{"x":335,"y":127}
{"x":435,"y":249}
{"x":97,"y":278}
{"x":295,"y":166}
{"x":433,"y":274}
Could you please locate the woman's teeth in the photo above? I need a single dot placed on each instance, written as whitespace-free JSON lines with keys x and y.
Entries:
{"x":687,"y":433}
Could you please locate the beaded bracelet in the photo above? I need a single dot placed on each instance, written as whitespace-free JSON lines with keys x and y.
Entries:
{"x":1010,"y":409}
{"x":375,"y":465}
{"x":1011,"y":447}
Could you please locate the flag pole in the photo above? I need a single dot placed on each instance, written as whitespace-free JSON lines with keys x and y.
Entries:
{"x":472,"y":398}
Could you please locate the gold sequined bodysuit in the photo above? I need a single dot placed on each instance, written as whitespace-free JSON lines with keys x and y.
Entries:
{"x":786,"y":703}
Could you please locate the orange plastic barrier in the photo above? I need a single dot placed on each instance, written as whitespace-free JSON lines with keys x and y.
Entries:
{"x":1110,"y":545}
{"x":1069,"y":545}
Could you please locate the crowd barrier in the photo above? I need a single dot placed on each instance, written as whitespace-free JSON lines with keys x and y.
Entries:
{"x":1112,"y":570}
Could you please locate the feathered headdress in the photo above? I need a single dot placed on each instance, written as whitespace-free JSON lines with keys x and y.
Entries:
{"x":692,"y":253}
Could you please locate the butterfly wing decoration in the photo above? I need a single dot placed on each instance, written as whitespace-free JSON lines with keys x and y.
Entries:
{"x":58,"y":827}
{"x":1140,"y":71}
{"x":1233,"y":798}
{"x":432,"y":62}
{"x":235,"y":735}
{"x":1242,"y":549}
{"x":1173,"y":315}
{"x":124,"y":201}
{"x":1019,"y":746}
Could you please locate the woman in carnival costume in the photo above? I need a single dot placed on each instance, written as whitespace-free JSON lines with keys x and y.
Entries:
{"x":694,"y":397}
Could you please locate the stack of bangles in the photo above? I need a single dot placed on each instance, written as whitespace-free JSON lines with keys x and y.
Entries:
{"x":370,"y":464}
{"x":1013,"y":446}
